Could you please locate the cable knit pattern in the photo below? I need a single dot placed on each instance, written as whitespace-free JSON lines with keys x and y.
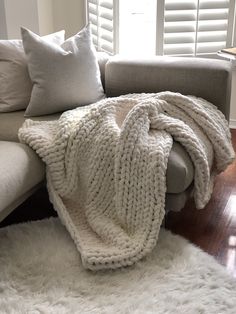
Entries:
{"x":106,"y":168}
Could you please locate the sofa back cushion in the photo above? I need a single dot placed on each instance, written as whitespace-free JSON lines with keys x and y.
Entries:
{"x":64,"y":76}
{"x":206,"y":78}
{"x":15,"y":83}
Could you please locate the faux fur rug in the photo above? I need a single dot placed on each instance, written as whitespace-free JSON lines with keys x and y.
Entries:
{"x":41,"y":272}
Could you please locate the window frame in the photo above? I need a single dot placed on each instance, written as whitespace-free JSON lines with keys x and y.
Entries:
{"x":160,"y":19}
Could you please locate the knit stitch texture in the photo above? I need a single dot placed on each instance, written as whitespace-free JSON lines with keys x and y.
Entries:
{"x":106,"y":168}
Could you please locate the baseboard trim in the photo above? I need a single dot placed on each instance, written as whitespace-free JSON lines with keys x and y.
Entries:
{"x":232,"y":123}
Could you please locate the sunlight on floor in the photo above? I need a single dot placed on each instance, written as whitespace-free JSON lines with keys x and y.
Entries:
{"x":231,"y":255}
{"x":230,"y":209}
{"x":230,"y":216}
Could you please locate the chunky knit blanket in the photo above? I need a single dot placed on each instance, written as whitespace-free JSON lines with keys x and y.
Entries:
{"x":106,"y":168}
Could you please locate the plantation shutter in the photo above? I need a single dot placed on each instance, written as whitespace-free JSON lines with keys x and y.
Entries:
{"x":102,"y":17}
{"x":196,"y":27}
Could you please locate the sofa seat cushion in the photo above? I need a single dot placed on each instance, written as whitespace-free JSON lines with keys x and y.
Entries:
{"x":10,"y":122}
{"x":20,"y":171}
{"x":180,"y":169}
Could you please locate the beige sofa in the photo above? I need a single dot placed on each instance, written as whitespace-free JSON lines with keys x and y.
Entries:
{"x":22,"y":172}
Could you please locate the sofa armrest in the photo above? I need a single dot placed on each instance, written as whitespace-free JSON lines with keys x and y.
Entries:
{"x":206,"y":78}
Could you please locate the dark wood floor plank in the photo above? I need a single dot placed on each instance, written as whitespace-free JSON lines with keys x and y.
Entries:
{"x":213,"y":228}
{"x":34,"y":208}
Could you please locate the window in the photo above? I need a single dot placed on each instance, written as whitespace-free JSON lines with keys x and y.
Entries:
{"x":163,"y":27}
{"x":197,"y":27}
{"x":103,"y":17}
{"x":137,"y":27}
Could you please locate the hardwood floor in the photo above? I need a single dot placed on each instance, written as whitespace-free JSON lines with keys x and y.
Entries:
{"x":213,"y":228}
{"x":34,"y":208}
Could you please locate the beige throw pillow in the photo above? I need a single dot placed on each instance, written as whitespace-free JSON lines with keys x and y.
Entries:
{"x":64,"y":76}
{"x":15,"y":83}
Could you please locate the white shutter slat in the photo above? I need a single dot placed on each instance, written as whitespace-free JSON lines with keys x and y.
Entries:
{"x":92,"y":2}
{"x":198,"y":23}
{"x":95,"y":40}
{"x":100,"y":16}
{"x":212,"y":26}
{"x":179,"y":38}
{"x":207,"y":48}
{"x":106,"y":15}
{"x":94,"y":29}
{"x":106,"y":36}
{"x":107,"y":26}
{"x":180,"y":5}
{"x":216,"y":4}
{"x":179,"y":27}
{"x":107,"y":48}
{"x":106,"y":4}
{"x":92,"y":9}
{"x":217,"y":14}
{"x":93,"y":19}
{"x":182,"y":49}
{"x":173,"y":16}
{"x":212,"y":36}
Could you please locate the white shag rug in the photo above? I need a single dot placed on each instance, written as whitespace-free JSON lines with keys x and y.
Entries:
{"x":41,"y":272}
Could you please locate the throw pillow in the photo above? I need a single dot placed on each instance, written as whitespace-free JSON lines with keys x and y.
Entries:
{"x":15,"y":83}
{"x":64,"y":76}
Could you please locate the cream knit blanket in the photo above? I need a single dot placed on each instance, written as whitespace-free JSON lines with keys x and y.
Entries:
{"x":106,"y":168}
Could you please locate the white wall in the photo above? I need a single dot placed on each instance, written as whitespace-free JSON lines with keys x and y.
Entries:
{"x":20,"y":13}
{"x":3,"y":26}
{"x":69,"y":15}
{"x":41,"y":16}
{"x":37,"y":15}
{"x":45,"y":17}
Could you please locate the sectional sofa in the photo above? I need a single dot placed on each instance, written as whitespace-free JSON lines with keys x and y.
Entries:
{"x":22,"y":172}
